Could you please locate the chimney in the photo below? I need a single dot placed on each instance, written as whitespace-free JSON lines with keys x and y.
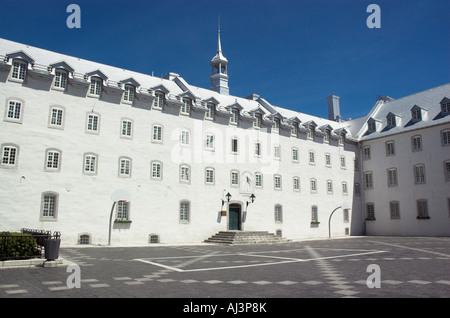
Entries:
{"x":334,"y":112}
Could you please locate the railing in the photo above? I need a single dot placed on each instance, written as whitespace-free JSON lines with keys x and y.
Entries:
{"x":21,"y":246}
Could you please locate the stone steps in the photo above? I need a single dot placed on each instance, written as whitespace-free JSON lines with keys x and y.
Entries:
{"x":245,"y":237}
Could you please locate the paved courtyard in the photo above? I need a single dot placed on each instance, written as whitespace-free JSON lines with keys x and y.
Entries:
{"x":393,"y":266}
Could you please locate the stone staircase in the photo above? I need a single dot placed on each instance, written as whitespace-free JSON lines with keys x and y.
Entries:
{"x":245,"y":237}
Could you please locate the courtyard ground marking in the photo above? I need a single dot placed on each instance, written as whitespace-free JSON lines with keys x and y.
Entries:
{"x":412,"y":248}
{"x":282,"y":260}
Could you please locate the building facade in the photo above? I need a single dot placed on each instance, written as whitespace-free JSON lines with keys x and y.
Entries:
{"x":196,"y":161}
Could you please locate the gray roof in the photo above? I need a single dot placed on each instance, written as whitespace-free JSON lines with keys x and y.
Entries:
{"x":429,"y":102}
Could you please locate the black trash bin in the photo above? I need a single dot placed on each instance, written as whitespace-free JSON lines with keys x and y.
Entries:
{"x":51,"y":248}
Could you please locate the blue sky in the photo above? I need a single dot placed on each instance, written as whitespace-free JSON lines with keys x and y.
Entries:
{"x":292,"y":53}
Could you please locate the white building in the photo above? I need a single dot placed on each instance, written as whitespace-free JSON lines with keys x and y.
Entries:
{"x":75,"y":131}
{"x":405,"y":167}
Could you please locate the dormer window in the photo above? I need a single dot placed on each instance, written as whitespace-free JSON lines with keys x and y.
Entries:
{"x":294,"y":129}
{"x":60,"y":79}
{"x":276,"y":125}
{"x":391,"y":121}
{"x":371,"y":126}
{"x":128,"y":95}
{"x":186,"y":107}
{"x":96,"y":86}
{"x":209,"y":111}
{"x":19,"y":68}
{"x":445,"y":106}
{"x":257,"y":122}
{"x":234,"y":116}
{"x":416,"y":113}
{"x":158,"y":102}
{"x":326,"y":137}
{"x":310,"y":134}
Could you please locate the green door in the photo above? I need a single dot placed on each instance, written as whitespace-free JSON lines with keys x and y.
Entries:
{"x":234,"y":219}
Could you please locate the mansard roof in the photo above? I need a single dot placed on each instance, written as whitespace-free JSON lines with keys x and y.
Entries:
{"x":173,"y":86}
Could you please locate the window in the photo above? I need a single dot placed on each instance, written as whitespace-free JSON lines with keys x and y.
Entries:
{"x":234,"y":178}
{"x":156,"y":170}
{"x":123,"y":211}
{"x":416,"y":143}
{"x":327,"y":160}
{"x":371,"y":126}
{"x":326,"y":136}
{"x":394,"y":209}
{"x":447,"y":170}
{"x":258,"y":180}
{"x":90,"y":164}
{"x":157,"y":133}
{"x":392,"y":177}
{"x":416,"y":114}
{"x":56,"y":117}
{"x":9,"y":156}
{"x":49,"y":206}
{"x":278,"y":214}
{"x":314,"y":214}
{"x":329,"y":187}
{"x":344,"y":188}
{"x":277,"y":152}
{"x":158,"y":102}
{"x":185,"y":174}
{"x":346,"y":219}
{"x":185,"y":137}
{"x":296,"y":183}
{"x":124,"y":167}
{"x":257,"y":122}
{"x":419,"y":174}
{"x":209,"y":176}
{"x":234,"y":145}
{"x":313,"y":185}
{"x":209,"y":111}
{"x":370,"y":211}
{"x":18,"y":70}
{"x":368,"y":180}
{"x":186,"y":107}
{"x":234,"y":116}
{"x":446,"y":137}
{"x":390,"y":149}
{"x":60,"y":79}
{"x":445,"y":107}
{"x":312,"y":160}
{"x":96,"y":86}
{"x":342,"y":162}
{"x":93,"y":123}
{"x":366,"y":152}
{"x":310,"y":134}
{"x":341,"y":139}
{"x":128,"y":95}
{"x":257,"y":149}
{"x":391,"y":121}
{"x":276,"y":125}
{"x":14,"y":111}
{"x":277,"y":182}
{"x":294,"y":155}
{"x":84,"y":239}
{"x":422,"y":209}
{"x":184,"y":211}
{"x":126,"y":131}
{"x":294,"y":129}
{"x":153,"y":238}
{"x":209,"y":142}
{"x":52,"y":160}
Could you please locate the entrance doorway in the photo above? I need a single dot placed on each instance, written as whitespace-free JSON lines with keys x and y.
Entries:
{"x":234,"y":218}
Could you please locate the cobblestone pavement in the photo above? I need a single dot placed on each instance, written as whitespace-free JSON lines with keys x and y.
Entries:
{"x":399,"y":266}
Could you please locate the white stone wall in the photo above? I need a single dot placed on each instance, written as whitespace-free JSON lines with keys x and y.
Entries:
{"x":84,"y":202}
{"x":436,"y":188}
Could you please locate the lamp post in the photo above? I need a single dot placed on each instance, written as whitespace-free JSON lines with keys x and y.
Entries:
{"x":344,"y":206}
